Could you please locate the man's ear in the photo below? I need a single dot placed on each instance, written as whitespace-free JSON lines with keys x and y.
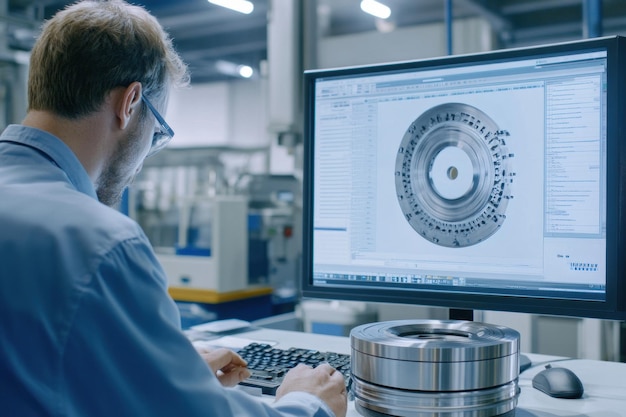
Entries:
{"x":129,"y":104}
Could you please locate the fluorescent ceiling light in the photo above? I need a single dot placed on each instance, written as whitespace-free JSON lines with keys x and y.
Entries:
{"x":375,"y":9}
{"x":245,"y":71}
{"x":241,"y":6}
{"x":230,"y":68}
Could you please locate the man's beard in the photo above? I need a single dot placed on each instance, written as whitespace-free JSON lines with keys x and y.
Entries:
{"x":112,"y":188}
{"x":118,"y":172}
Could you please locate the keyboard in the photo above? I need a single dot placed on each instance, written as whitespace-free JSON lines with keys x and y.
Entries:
{"x":268,"y":365}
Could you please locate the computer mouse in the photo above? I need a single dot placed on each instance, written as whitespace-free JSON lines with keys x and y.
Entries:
{"x":558,"y":382}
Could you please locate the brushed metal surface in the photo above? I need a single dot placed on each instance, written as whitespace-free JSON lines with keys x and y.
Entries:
{"x":434,"y":376}
{"x":435,"y":340}
{"x":435,"y":368}
{"x":375,"y":401}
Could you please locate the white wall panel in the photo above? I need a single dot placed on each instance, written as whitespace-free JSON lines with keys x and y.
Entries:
{"x":426,"y":41}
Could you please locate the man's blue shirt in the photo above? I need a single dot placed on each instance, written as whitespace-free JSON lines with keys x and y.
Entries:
{"x":86,"y":325}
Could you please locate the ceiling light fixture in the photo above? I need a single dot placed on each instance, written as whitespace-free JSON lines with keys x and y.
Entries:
{"x":245,"y":71}
{"x":241,"y":6}
{"x":375,"y":8}
{"x":234,"y":70}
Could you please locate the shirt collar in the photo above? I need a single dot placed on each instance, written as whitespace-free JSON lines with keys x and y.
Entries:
{"x":56,"y":150}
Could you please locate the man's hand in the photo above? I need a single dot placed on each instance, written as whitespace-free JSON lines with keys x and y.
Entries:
{"x":324,"y":382}
{"x":229,"y":367}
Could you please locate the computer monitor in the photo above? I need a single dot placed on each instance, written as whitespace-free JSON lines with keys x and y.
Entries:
{"x":489,"y":181}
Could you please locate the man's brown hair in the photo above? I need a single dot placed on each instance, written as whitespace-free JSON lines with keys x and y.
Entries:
{"x":92,"y":47}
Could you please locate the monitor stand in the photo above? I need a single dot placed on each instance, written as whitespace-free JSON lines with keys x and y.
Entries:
{"x":461,"y":314}
{"x":468,"y":315}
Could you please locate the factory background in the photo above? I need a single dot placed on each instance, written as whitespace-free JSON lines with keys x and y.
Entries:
{"x":231,"y":179}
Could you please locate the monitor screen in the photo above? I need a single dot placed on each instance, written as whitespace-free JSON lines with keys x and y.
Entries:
{"x":490,"y":181}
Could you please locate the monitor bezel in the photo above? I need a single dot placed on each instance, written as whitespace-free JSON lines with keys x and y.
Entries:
{"x":614,"y":308}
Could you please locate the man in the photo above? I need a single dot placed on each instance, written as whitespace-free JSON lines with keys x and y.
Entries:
{"x":86,"y":325}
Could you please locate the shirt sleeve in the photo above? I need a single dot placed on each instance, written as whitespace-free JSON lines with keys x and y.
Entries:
{"x":125,"y":354}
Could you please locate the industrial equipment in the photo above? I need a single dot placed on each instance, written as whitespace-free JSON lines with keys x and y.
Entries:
{"x":222,"y":235}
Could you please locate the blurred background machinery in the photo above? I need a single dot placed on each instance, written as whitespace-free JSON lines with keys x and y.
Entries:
{"x":228,"y":239}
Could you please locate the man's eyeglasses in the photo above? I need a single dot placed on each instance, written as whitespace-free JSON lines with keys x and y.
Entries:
{"x":165,"y":133}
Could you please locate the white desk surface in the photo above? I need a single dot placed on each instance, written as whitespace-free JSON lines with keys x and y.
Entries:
{"x":604,"y":382}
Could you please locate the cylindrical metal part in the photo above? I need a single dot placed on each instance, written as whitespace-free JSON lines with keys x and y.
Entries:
{"x":435,"y":368}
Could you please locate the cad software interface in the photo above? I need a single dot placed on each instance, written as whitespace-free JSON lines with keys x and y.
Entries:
{"x":487,"y":177}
